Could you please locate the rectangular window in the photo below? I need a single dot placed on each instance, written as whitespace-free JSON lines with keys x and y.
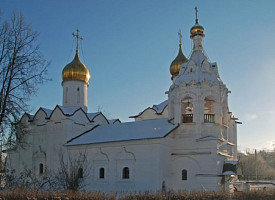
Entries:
{"x":125,"y":173}
{"x":80,"y":173}
{"x":41,"y":168}
{"x":101,"y":173}
{"x":184,"y":175}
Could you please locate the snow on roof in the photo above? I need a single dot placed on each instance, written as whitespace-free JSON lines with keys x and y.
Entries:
{"x":199,"y":74}
{"x":91,"y":116}
{"x":30,"y":115}
{"x":228,"y":173}
{"x":47,"y":111}
{"x":158,"y":108}
{"x":147,"y":129}
{"x":224,"y":154}
{"x":233,"y":162}
{"x":68,"y":111}
{"x":206,"y":138}
{"x":112,"y":121}
{"x":65,"y":111}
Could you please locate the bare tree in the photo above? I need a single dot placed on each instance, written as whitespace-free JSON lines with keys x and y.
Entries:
{"x":73,"y":171}
{"x":254,"y":166}
{"x":22,"y":68}
{"x":29,"y":180}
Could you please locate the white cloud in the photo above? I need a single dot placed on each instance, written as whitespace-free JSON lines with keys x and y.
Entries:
{"x":249,"y":117}
{"x":253,"y":116}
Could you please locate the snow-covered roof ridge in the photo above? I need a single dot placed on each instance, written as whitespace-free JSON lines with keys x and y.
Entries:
{"x":147,"y":129}
{"x":68,"y":111}
{"x":47,"y":111}
{"x":157,"y":108}
{"x":112,"y":121}
{"x":30,"y":115}
{"x":198,"y":69}
{"x":65,"y":111}
{"x":91,"y":116}
{"x":160,"y":107}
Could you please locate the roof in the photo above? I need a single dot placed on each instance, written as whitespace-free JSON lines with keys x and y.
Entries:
{"x":48,"y":112}
{"x":65,"y":111}
{"x":91,"y":116}
{"x":112,"y":121}
{"x":147,"y":129}
{"x":160,"y":107}
{"x":157,"y":108}
{"x":200,"y":73}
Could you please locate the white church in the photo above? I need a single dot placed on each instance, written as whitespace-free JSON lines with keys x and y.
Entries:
{"x":188,"y":142}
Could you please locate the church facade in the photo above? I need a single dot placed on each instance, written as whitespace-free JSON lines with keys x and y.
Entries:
{"x":188,"y":142}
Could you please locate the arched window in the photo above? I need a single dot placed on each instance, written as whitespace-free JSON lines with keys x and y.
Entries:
{"x":187,"y":110}
{"x":41,"y":168}
{"x":184,"y":175}
{"x":80,"y":173}
{"x":209,"y":110}
{"x":125,"y":173}
{"x":101,"y":173}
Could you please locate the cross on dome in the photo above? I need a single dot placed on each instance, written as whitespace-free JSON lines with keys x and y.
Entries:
{"x":196,"y":29}
{"x":196,"y":10}
{"x":78,"y":37}
{"x":180,"y":36}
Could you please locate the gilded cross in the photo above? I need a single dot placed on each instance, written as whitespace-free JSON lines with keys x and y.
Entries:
{"x":78,"y":37}
{"x":180,"y":36}
{"x":196,"y":9}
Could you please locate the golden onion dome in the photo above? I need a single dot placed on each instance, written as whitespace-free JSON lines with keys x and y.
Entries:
{"x":177,"y":62}
{"x":196,"y":29}
{"x":76,"y":70}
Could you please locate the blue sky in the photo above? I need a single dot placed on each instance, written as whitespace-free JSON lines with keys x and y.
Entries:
{"x":129,"y":44}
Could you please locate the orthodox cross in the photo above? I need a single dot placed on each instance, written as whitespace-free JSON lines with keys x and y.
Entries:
{"x":78,"y":37}
{"x":196,"y":9}
{"x":180,"y":36}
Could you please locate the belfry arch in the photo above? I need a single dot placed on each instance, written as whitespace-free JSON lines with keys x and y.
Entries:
{"x":187,"y":109}
{"x":209,"y":109}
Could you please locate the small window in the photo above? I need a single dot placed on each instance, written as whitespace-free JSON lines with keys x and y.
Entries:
{"x":80,"y":173}
{"x":41,"y":168}
{"x":184,"y":175}
{"x":78,"y":95}
{"x":125,"y":173}
{"x":101,"y":173}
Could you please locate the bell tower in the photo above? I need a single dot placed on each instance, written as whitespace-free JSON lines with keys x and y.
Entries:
{"x":75,"y":81}
{"x":197,"y":96}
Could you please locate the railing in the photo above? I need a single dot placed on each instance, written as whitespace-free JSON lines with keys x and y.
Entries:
{"x":187,"y":118}
{"x":209,"y":118}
